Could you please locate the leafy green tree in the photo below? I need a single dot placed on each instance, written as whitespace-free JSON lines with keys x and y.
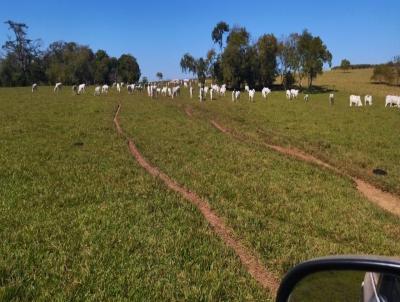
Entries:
{"x":128,"y":69}
{"x":145,"y":80}
{"x":159,"y":75}
{"x":199,"y":67}
{"x":314,"y":54}
{"x":218,"y":32}
{"x":101,"y":67}
{"x":234,"y":65}
{"x":267,"y":49}
{"x":345,"y":64}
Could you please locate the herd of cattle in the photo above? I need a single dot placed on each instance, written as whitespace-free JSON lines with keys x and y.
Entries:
{"x":153,"y":90}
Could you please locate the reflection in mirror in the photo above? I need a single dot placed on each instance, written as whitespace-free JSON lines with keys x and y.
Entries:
{"x":343,"y":286}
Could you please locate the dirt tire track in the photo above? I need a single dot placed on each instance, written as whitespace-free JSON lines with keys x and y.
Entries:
{"x":387,"y":201}
{"x":253,"y":265}
{"x":189,"y":112}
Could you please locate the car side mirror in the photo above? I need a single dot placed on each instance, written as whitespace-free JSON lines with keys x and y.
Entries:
{"x":342,"y":278}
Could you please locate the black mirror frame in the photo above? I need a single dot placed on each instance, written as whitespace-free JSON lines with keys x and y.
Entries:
{"x":338,"y":263}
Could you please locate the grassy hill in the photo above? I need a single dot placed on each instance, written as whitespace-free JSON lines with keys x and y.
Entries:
{"x":355,"y":81}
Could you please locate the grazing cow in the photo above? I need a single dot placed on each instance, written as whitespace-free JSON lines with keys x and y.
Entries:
{"x":34,"y":87}
{"x":392,"y":101}
{"x":206,"y":91}
{"x":368,"y":100}
{"x":222,"y":90}
{"x":251,"y":94}
{"x":104,"y":89}
{"x":331,"y":99}
{"x":176,"y":91}
{"x":265,"y":91}
{"x":294,"y":93}
{"x":97,"y":90}
{"x":191,"y":91}
{"x":81,"y":88}
{"x":288,"y":95}
{"x":237,"y":95}
{"x":355,"y":100}
{"x":306,"y":97}
{"x":58,"y":87}
{"x":74,"y":89}
{"x":118,"y":87}
{"x":201,"y":94}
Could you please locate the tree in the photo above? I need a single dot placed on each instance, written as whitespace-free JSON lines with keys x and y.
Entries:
{"x":314,"y":54}
{"x":128,"y":69}
{"x":218,"y":32}
{"x":21,"y":53}
{"x":233,"y":58}
{"x":102,"y":67}
{"x":199,"y":67}
{"x":267,"y":49}
{"x":159,"y":75}
{"x":345,"y":64}
{"x":145,"y":80}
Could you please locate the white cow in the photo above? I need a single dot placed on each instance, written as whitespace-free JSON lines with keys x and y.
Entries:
{"x":294,"y":93}
{"x":164,"y":91}
{"x":222,"y":90}
{"x":216,"y":88}
{"x":252,"y":92}
{"x":104,"y":89}
{"x":368,"y":100}
{"x":206,"y":88}
{"x":97,"y":90}
{"x":34,"y":87}
{"x":237,"y":95}
{"x":288,"y":95}
{"x":176,"y":91}
{"x":118,"y":87}
{"x":306,"y":97}
{"x":247,"y":88}
{"x":331,"y":98}
{"x":58,"y":87}
{"x":265,"y":91}
{"x":191,"y":92}
{"x":355,"y":100}
{"x":392,"y":100}
{"x":201,"y":94}
{"x":81,"y":88}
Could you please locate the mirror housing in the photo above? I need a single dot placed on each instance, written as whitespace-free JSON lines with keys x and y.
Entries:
{"x":335,"y":263}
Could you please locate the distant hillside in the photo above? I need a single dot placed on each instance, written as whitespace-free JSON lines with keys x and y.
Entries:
{"x":356,"y":81}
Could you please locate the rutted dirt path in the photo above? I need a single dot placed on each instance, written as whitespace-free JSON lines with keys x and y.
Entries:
{"x":251,"y":262}
{"x":385,"y":200}
{"x":188,"y":112}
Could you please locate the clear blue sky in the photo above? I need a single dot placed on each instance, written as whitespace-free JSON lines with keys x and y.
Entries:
{"x":158,"y":33}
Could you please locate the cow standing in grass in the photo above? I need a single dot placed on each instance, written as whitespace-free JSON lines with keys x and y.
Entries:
{"x":331,"y":99}
{"x":34,"y":87}
{"x":58,"y":87}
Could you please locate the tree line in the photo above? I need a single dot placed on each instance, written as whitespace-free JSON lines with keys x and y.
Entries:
{"x":388,"y":73}
{"x":25,"y":62}
{"x":238,"y":61}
